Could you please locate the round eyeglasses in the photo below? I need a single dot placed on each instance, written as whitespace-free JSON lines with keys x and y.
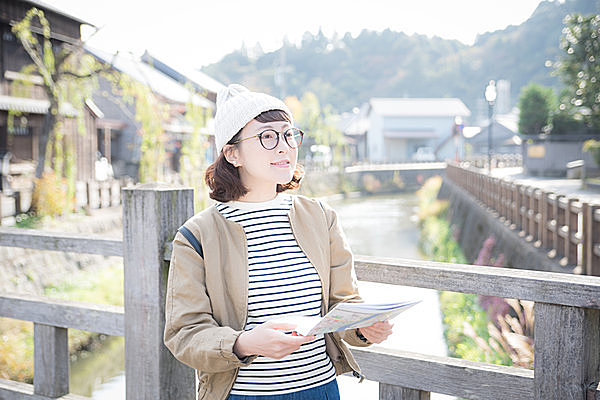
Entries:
{"x":269,"y":139}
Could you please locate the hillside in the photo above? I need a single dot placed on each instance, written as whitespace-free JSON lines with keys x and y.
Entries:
{"x":345,"y":72}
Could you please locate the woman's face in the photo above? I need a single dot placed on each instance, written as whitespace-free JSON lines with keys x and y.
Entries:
{"x":261,"y":169}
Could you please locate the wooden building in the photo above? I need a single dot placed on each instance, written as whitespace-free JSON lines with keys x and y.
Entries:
{"x":120,"y":134}
{"x":20,"y":141}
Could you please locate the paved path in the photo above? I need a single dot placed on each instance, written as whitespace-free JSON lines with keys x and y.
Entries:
{"x":567,"y":187}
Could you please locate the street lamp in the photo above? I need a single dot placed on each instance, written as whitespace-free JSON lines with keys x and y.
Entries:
{"x":490,"y":96}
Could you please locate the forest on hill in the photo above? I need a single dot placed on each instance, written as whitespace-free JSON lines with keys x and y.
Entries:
{"x":345,"y":72}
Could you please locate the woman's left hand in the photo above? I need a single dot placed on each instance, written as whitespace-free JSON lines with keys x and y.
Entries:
{"x":377,"y":332}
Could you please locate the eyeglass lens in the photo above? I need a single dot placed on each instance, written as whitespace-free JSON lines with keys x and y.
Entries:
{"x":270,"y":138}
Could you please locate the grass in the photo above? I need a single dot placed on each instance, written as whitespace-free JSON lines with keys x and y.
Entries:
{"x":461,"y":312}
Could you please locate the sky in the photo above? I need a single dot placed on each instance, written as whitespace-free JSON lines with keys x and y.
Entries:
{"x":197,"y":33}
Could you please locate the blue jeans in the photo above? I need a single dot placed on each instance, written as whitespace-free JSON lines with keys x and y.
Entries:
{"x":328,"y":391}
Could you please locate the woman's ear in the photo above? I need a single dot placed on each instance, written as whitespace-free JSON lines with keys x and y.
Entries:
{"x":232,"y":154}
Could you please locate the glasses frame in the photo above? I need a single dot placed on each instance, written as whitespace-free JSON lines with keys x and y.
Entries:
{"x":278,"y":134}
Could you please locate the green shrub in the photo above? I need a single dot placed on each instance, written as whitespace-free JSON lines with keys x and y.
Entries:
{"x":465,"y":322}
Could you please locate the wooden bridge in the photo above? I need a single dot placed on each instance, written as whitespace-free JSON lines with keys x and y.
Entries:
{"x":567,"y":319}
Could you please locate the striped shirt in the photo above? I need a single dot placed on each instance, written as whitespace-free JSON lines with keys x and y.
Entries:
{"x":282,"y":281}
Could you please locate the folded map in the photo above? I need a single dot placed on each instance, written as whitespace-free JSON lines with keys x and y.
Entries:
{"x":347,"y":316}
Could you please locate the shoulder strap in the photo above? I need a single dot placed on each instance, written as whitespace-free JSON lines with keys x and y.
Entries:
{"x":192,"y":239}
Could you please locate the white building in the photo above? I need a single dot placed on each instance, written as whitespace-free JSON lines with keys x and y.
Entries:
{"x":398,"y":127}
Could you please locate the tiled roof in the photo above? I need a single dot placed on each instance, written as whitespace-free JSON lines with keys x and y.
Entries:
{"x":184,"y":74}
{"x":157,"y":81}
{"x":46,"y":6}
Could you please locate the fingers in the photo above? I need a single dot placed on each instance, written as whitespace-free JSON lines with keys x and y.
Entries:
{"x":377,"y":332}
{"x":280,"y":326}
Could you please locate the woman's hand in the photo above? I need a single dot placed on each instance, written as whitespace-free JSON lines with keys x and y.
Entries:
{"x":377,"y":332}
{"x":268,"y":340}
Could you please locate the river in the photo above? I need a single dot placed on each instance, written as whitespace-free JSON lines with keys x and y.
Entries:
{"x":383,"y":226}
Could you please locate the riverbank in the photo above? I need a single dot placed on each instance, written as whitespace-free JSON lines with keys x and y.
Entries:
{"x":476,"y":328}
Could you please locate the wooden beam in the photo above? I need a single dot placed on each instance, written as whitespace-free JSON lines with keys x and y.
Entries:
{"x":51,"y":360}
{"x":446,"y":375}
{"x":390,"y":392}
{"x":539,"y":286}
{"x":151,"y":215}
{"x":11,"y":390}
{"x":63,"y":313}
{"x":567,"y":360}
{"x":71,"y":242}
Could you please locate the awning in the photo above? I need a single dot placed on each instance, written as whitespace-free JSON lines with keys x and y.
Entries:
{"x":33,"y":106}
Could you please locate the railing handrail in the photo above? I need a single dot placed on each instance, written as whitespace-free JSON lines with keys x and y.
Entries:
{"x":58,"y":241}
{"x":70,"y":314}
{"x":540,"y":286}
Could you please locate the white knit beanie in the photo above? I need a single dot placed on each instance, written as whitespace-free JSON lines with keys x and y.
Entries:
{"x":236,"y":106}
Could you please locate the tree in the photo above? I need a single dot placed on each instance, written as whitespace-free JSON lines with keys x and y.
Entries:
{"x":579,"y":67}
{"x":318,"y":123}
{"x":67,"y":75}
{"x":535,"y":104}
{"x":193,"y":152}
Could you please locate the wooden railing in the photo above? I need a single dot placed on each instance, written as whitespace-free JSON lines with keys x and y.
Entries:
{"x":89,"y":195}
{"x":567,"y":319}
{"x":498,"y":160}
{"x":568,"y":229}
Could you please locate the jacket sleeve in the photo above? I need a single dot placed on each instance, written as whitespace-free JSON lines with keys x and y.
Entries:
{"x":191,"y":333}
{"x":343,"y":285}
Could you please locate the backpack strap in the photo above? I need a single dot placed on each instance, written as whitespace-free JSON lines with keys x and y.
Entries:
{"x":192,"y":239}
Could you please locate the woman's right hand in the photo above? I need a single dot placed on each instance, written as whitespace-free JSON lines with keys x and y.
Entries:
{"x":269,"y":340}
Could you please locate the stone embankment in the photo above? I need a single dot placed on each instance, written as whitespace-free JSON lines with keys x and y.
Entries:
{"x":31,"y":271}
{"x":472,"y":224}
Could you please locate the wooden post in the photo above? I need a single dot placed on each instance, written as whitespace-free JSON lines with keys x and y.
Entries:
{"x":524,"y":209}
{"x":540,"y":198}
{"x":546,"y":234}
{"x":530,"y":214}
{"x":565,"y":373}
{"x":516,"y":208}
{"x":107,"y":149}
{"x":572,"y":218}
{"x":559,"y":215}
{"x":151,"y":215}
{"x":50,"y":361}
{"x":592,"y":233}
{"x":391,"y":392}
{"x":17,"y":196}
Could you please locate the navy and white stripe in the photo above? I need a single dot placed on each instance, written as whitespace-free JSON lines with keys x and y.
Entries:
{"x":282,"y":281}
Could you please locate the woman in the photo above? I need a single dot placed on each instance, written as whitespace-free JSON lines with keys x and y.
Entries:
{"x":258,"y":255}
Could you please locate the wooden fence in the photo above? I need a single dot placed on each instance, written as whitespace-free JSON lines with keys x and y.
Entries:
{"x":567,"y":319}
{"x":498,"y":160}
{"x":92,"y":194}
{"x":568,"y":229}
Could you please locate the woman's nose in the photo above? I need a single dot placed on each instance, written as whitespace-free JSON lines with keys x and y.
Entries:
{"x":282,"y":145}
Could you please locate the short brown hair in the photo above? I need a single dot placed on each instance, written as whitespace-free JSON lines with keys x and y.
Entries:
{"x":223,"y":179}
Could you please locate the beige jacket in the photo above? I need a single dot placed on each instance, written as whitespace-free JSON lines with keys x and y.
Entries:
{"x":207,"y":299}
